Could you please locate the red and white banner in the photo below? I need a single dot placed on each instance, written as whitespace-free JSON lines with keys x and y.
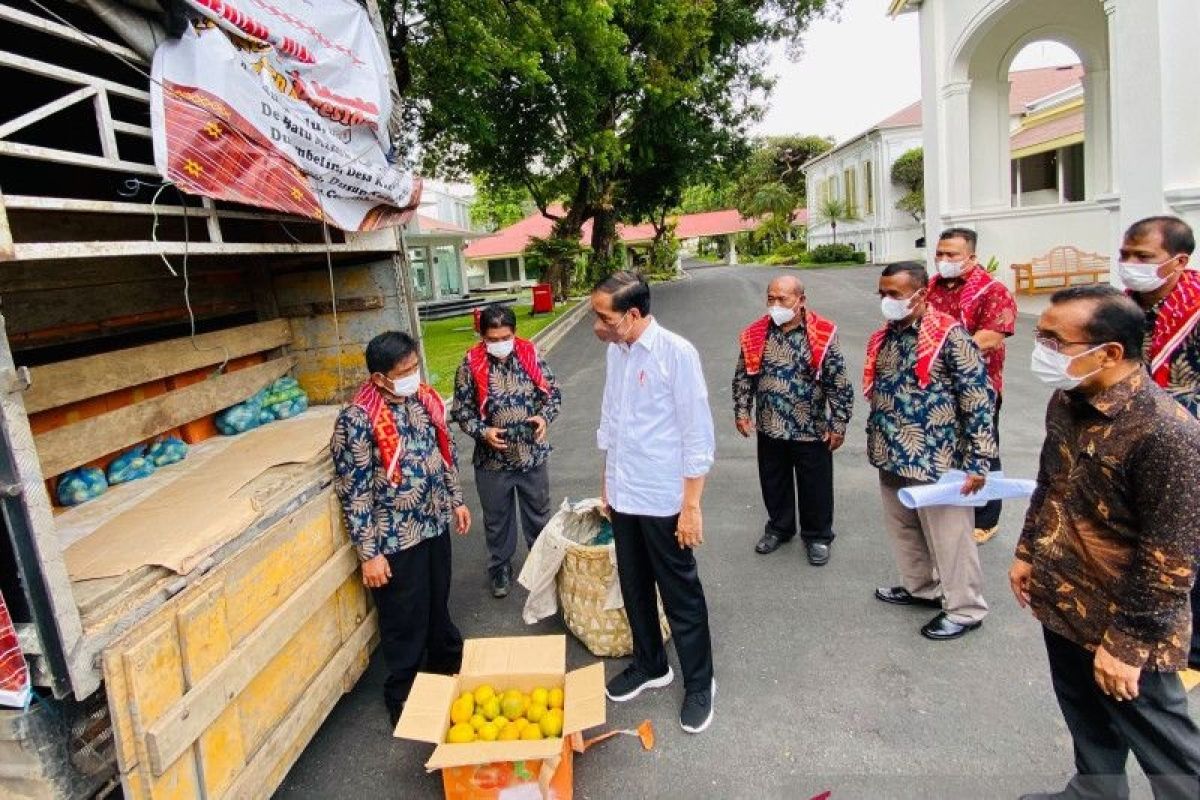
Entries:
{"x":14,"y":672}
{"x":282,"y":104}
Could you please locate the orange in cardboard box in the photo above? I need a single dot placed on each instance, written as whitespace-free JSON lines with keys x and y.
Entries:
{"x":482,"y":770}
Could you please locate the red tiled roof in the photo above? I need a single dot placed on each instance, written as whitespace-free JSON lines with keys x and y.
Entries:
{"x":1034,"y":84}
{"x":428,"y":224}
{"x":513,"y":239}
{"x":1048,"y":131}
{"x":909,"y":115}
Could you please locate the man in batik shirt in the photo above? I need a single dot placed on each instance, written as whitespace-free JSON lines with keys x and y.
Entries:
{"x":504,"y":398}
{"x":1156,"y":268}
{"x":963,"y":289}
{"x":930,"y":413}
{"x":397,"y":479}
{"x":791,"y":371}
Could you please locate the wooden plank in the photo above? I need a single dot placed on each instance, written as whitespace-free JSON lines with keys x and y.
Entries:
{"x":49,"y":109}
{"x":75,"y":159}
{"x":66,"y":382}
{"x":6,"y":242}
{"x":205,"y":644}
{"x":132,"y":130}
{"x":75,"y":205}
{"x":183,"y":723}
{"x":213,"y":223}
{"x":104,"y":122}
{"x":44,"y":251}
{"x":46,"y":69}
{"x":10,"y":14}
{"x":288,"y":739}
{"x":72,"y":445}
{"x":345,"y":305}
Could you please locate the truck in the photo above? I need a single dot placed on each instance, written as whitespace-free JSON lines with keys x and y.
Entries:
{"x":186,"y":633}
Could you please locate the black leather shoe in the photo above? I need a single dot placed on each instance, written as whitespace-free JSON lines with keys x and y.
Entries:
{"x":769,"y":543}
{"x":818,"y":553}
{"x":899,"y":596}
{"x":941,"y":628}
{"x":501,"y":582}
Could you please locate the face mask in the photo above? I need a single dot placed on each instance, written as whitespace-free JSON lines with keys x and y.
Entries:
{"x":895,"y":309}
{"x":782,"y":316}
{"x":1141,"y":277}
{"x":1050,"y":366}
{"x":612,"y":333}
{"x":950,"y":269}
{"x":406,"y":386}
{"x":501,"y":349}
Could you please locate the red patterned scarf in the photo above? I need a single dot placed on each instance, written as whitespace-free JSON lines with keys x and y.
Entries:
{"x":480,"y":366}
{"x":819,"y":330}
{"x":14,"y":672}
{"x":974,"y":287}
{"x":935,"y":327}
{"x":383,"y":424}
{"x":1177,"y":318}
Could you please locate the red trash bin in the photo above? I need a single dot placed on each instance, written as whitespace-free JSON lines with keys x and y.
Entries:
{"x":476,"y":313}
{"x":543,"y":298}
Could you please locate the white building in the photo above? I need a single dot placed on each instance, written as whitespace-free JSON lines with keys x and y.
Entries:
{"x":1139,"y":119}
{"x":858,"y":172}
{"x":1045,"y":124}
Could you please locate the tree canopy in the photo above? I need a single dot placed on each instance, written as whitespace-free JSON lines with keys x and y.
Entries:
{"x":611,"y":107}
{"x":909,"y":172}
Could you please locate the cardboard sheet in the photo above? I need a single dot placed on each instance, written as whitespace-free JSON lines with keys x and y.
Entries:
{"x":183,"y":522}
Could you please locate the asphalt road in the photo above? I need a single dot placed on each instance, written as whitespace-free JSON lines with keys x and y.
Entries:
{"x":821,"y":687}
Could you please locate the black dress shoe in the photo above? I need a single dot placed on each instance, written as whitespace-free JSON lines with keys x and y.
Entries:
{"x":769,"y":543}
{"x":941,"y":628}
{"x":899,"y":596}
{"x":818,"y":553}
{"x":501,"y":582}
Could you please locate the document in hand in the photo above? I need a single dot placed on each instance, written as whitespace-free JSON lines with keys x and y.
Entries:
{"x":948,"y":491}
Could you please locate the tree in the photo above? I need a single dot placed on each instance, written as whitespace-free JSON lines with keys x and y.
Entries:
{"x":776,"y":204}
{"x":833,"y":210}
{"x":610,"y":106}
{"x":497,"y":206}
{"x":909,"y":172}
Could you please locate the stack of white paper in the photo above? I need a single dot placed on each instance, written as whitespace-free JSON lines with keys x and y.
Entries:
{"x":948,"y":491}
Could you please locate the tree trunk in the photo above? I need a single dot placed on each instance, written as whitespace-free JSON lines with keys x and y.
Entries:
{"x":560,"y":273}
{"x":833,"y":224}
{"x":604,"y":241}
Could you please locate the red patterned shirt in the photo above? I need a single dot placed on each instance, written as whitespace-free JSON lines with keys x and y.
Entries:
{"x":995,"y":309}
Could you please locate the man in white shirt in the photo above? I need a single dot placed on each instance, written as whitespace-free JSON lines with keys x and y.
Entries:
{"x":656,"y":432}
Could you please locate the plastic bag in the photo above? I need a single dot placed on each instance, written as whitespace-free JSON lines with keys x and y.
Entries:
{"x":80,"y":485}
{"x":245,"y":416}
{"x":131,"y":465}
{"x":167,"y":451}
{"x":285,"y":399}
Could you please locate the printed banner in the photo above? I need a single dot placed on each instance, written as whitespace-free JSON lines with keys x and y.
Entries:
{"x":282,"y":104}
{"x":14,"y":672}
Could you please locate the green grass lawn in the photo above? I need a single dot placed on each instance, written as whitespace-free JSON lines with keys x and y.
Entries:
{"x":447,"y":340}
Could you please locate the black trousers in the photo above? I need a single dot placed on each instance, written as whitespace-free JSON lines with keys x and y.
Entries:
{"x":414,"y":618}
{"x":988,"y":516}
{"x":790,"y":471}
{"x":501,"y":493}
{"x":1156,"y":727}
{"x":648,"y":555}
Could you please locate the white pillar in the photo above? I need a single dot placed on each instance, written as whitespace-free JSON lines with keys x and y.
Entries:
{"x":731,"y":257}
{"x":985,"y":138}
{"x":1137,"y":89}
{"x":933,"y":109}
{"x":1060,"y":174}
{"x":1098,"y":143}
{"x":1179,"y":28}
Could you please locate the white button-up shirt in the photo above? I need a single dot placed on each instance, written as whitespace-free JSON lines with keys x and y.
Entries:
{"x":655,"y":424}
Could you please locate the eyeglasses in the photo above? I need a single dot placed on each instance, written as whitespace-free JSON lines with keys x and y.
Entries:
{"x":1057,"y":345}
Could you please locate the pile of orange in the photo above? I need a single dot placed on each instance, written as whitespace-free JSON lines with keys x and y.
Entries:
{"x":486,"y":715}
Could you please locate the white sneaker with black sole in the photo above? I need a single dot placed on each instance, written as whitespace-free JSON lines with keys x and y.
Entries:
{"x":632,"y":681}
{"x":697,"y":712}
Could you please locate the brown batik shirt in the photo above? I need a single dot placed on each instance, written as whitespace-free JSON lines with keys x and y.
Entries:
{"x":1113,"y":526}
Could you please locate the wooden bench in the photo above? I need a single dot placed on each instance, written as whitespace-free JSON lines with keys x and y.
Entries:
{"x":1061,"y":267}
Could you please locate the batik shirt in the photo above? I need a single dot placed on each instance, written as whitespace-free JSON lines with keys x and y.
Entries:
{"x":1113,"y":527}
{"x":513,"y":398}
{"x":794,"y":403}
{"x":385,"y":517}
{"x":921,"y":433}
{"x":1184,"y":381}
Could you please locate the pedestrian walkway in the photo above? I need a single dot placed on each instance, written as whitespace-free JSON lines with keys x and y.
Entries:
{"x":821,"y":686}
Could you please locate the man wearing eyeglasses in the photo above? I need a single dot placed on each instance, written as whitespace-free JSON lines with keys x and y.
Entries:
{"x":1107,"y":556}
{"x":1155,"y":266}
{"x":963,"y":289}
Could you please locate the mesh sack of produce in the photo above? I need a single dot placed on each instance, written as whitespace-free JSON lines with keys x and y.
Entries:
{"x":171,"y":450}
{"x":567,"y":569}
{"x":80,"y":485}
{"x":131,"y":465}
{"x":242,"y":417}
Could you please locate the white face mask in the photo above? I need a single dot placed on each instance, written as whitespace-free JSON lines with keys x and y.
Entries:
{"x":1139,"y":277}
{"x":782,"y":316}
{"x":406,"y":386}
{"x":895,"y":309}
{"x":1051,"y":367}
{"x":951,"y":269}
{"x":501,"y":349}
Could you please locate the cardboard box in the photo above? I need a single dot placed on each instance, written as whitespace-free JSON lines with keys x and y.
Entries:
{"x":520,"y":769}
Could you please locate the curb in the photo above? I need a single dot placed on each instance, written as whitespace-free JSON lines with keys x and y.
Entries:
{"x":549,"y":336}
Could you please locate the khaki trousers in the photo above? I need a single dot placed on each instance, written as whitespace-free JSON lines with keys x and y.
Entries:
{"x":935,"y":551}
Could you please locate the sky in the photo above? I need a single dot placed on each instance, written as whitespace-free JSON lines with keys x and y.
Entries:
{"x":859,"y":70}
